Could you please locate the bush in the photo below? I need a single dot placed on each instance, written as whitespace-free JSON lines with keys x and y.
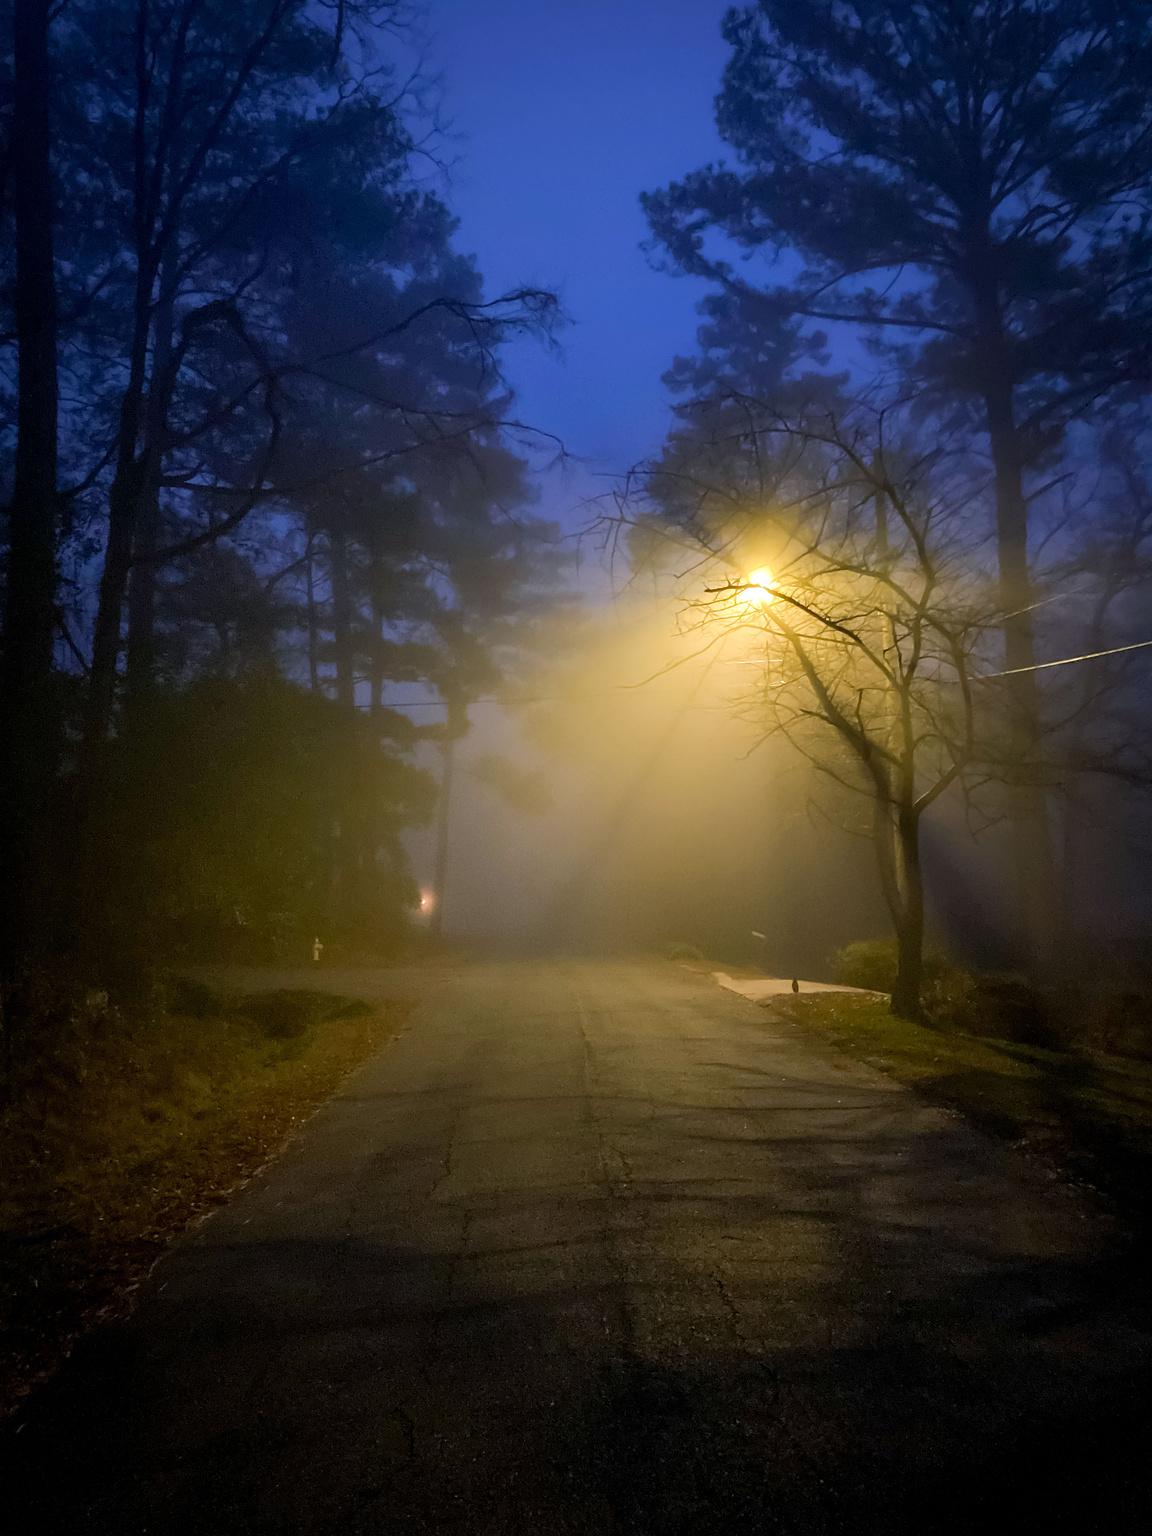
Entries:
{"x":684,"y":952}
{"x":193,"y":999}
{"x":946,"y":990}
{"x":289,"y":1015}
{"x":868,"y":963}
{"x":1006,"y":1008}
{"x":1121,"y":1024}
{"x":871,"y":964}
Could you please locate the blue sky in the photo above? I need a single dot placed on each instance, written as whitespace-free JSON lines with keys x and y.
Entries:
{"x":563,"y":112}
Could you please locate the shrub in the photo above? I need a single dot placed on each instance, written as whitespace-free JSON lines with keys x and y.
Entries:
{"x":1006,"y":1008}
{"x":871,"y":963}
{"x":868,"y":963}
{"x":193,"y":999}
{"x":1121,"y":1024}
{"x":289,"y":1015}
{"x":946,"y":995}
{"x":946,"y":990}
{"x":684,"y":952}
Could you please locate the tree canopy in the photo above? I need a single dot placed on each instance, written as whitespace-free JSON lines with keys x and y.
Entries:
{"x":967,"y":191}
{"x":285,"y":447}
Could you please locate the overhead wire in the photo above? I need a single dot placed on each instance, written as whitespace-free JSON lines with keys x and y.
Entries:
{"x":1066,"y":661}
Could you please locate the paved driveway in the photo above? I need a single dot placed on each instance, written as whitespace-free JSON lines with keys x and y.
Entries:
{"x":600,"y":1247}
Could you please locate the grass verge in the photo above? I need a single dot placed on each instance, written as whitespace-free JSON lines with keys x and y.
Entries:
{"x":1088,"y":1113}
{"x":132,"y":1131}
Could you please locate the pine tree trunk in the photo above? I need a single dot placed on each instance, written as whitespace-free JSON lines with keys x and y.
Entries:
{"x":29,"y":620}
{"x":28,"y":752}
{"x":123,"y":509}
{"x":376,"y":653}
{"x":1027,"y":805}
{"x":123,"y":504}
{"x":342,"y":638}
{"x":312,"y":617}
{"x":1027,"y":801}
{"x":140,"y":662}
{"x":128,"y":484}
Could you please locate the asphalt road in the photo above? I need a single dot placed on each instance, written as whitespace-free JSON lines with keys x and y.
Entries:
{"x":599,"y":1248}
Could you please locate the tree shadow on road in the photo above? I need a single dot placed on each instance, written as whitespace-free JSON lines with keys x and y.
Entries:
{"x":473,"y":1433}
{"x":493,"y":1379}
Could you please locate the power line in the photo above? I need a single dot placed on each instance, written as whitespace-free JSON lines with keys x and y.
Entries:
{"x":573,"y":698}
{"x":510,"y":703}
{"x":1068,"y":660}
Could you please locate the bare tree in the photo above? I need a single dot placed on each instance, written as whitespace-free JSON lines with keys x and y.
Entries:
{"x":968,"y":186}
{"x":848,"y":577}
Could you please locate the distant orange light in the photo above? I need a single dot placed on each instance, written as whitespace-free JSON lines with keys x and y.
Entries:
{"x":427,"y":901}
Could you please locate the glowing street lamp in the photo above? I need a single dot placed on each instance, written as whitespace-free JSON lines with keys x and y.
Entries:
{"x":738,"y":598}
{"x":757,"y":590}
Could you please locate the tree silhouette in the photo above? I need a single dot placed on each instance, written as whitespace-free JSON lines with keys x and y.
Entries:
{"x":968,"y":185}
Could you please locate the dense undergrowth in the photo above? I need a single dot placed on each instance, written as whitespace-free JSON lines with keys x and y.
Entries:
{"x":125,"y":1127}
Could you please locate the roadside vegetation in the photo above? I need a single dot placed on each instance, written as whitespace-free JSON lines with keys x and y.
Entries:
{"x":132,"y":1126}
{"x":1065,"y":1075}
{"x":1069,"y":1078}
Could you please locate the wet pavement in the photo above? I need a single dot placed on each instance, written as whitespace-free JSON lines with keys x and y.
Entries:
{"x":601,"y":1247}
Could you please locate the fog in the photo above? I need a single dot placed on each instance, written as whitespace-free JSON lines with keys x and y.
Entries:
{"x":669,"y":821}
{"x":626,"y":806}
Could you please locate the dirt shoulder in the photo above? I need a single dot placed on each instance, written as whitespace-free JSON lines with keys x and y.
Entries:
{"x":136,"y":1130}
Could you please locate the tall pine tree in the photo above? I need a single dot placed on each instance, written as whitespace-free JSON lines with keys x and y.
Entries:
{"x":969,"y":185}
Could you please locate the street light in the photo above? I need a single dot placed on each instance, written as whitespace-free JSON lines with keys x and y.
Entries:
{"x":757,"y":590}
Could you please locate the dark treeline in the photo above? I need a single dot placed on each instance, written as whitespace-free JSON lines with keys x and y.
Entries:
{"x":259,"y":464}
{"x":940,"y":222}
{"x":255,"y":469}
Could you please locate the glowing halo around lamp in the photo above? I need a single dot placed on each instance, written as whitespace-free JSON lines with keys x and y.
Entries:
{"x":757,"y":590}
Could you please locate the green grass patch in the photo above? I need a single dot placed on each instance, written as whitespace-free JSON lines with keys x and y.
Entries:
{"x":125,"y":1131}
{"x":1088,"y":1112}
